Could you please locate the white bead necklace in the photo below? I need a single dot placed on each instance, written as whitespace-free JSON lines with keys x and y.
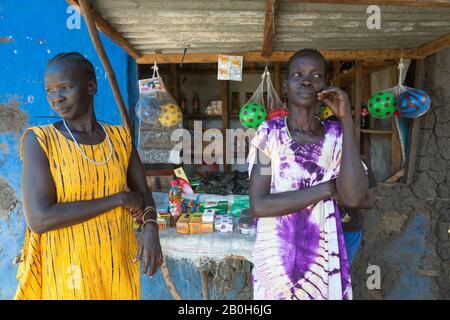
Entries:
{"x":81,"y":150}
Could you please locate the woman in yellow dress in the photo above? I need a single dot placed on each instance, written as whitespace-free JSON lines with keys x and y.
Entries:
{"x":82,"y":185}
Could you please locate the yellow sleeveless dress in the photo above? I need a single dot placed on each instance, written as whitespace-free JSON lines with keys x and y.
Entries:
{"x":93,"y":259}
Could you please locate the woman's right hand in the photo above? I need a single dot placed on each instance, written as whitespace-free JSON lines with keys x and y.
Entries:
{"x":329,"y":188}
{"x":133,"y":201}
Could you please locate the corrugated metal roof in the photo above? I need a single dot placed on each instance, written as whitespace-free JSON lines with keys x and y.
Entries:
{"x":238,"y":26}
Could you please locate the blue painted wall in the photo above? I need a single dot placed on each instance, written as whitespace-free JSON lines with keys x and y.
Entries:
{"x":31,"y":32}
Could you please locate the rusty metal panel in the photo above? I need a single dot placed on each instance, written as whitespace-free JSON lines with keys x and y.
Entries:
{"x":236,"y":25}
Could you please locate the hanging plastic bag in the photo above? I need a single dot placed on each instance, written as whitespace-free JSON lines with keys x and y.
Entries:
{"x":254,"y":112}
{"x":155,"y":105}
{"x":399,"y":100}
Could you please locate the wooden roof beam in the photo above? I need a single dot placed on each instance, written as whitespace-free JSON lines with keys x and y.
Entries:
{"x":104,"y":26}
{"x":269,"y":27}
{"x":410,"y":3}
{"x":435,"y":46}
{"x":379,"y":54}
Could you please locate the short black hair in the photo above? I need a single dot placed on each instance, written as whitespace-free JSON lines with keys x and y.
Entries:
{"x":307,"y":52}
{"x":78,"y":58}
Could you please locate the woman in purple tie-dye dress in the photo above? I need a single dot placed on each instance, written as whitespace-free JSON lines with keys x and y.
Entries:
{"x":298,"y":166}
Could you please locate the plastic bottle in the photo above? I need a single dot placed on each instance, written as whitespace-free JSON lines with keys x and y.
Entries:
{"x":174,"y":203}
{"x":196,"y":104}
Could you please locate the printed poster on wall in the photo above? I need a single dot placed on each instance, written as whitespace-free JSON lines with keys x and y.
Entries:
{"x":229,"y":68}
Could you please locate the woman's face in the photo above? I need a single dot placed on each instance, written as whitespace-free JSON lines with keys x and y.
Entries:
{"x":306,"y":78}
{"x":68,"y":91}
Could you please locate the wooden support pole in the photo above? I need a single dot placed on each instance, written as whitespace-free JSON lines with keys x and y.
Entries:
{"x":269,"y":28}
{"x":87,"y":14}
{"x":277,"y":77}
{"x":169,"y":283}
{"x":415,"y":130}
{"x":175,"y":82}
{"x":205,"y":289}
{"x":224,"y":96}
{"x":336,"y":66}
{"x":358,"y":98}
{"x":104,"y":26}
{"x":396,"y":149}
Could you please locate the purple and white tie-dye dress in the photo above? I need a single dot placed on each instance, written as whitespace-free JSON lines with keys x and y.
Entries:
{"x":301,"y":255}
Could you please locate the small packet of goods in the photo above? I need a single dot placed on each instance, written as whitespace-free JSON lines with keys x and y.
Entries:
{"x":182,"y":225}
{"x":221,"y":207}
{"x":208,"y":215}
{"x":188,"y":205}
{"x":224,"y":223}
{"x":163,"y":219}
{"x":195,"y":224}
{"x":207,"y":227}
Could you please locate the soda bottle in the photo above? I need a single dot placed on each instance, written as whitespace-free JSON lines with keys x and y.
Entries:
{"x":196,"y":104}
{"x":174,"y":203}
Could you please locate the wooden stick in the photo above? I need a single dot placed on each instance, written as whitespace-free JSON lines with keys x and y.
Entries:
{"x":86,"y":12}
{"x":104,"y":26}
{"x":415,"y":131}
{"x":396,"y":176}
{"x":358,"y":98}
{"x":205,"y":289}
{"x":169,"y":283}
{"x":269,"y":27}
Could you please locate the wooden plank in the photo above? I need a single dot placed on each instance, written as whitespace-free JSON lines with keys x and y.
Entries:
{"x":396,"y":176}
{"x":104,"y":26}
{"x":415,"y":131}
{"x":435,"y":46}
{"x":85,"y":10}
{"x":269,"y":27}
{"x":282,"y":56}
{"x":396,"y":151}
{"x":376,"y":131}
{"x":224,"y":97}
{"x":358,"y":100}
{"x":410,"y":3}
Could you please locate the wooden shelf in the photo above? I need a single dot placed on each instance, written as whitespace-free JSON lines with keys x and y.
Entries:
{"x":201,"y":116}
{"x":375,"y":131}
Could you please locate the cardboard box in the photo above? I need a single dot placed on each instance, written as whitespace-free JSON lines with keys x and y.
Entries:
{"x":221,"y":207}
{"x":207,"y":227}
{"x":162,"y":223}
{"x":195,"y":224}
{"x":209,"y":215}
{"x":223,"y":223}
{"x":182,"y":225}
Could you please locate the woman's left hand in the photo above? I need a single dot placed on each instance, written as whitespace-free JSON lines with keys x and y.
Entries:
{"x":149,"y":249}
{"x":337,"y":100}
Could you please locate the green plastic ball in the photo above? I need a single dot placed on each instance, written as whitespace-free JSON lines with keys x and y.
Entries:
{"x":252,"y":115}
{"x":382,"y":105}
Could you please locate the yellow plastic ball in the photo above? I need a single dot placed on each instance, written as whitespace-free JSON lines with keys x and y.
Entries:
{"x":326,"y":113}
{"x":170,"y":115}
